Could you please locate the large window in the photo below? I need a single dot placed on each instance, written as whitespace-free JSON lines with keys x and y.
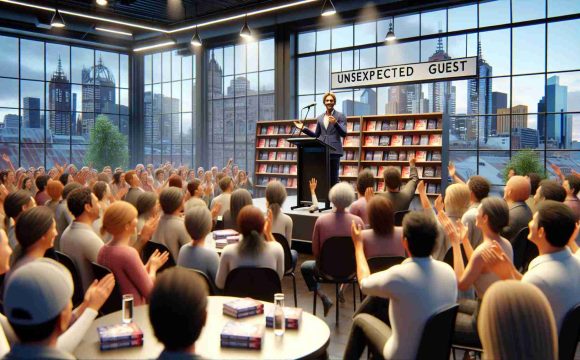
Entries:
{"x":240,"y":91}
{"x":169,"y":114}
{"x":527,"y":94}
{"x":50,"y":96}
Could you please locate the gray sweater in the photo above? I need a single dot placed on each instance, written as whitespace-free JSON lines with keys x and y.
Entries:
{"x":171,"y":232}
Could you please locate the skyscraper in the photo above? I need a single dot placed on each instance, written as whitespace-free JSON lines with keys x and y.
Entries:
{"x":98,"y":94}
{"x":552,"y":115}
{"x":440,"y":92}
{"x":31,"y":112}
{"x":59,"y":102}
{"x":11,"y":121}
{"x":479,"y":98}
{"x":519,"y":119}
{"x":498,"y":101}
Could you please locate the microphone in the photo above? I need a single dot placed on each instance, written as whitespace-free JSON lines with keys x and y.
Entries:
{"x":309,"y":106}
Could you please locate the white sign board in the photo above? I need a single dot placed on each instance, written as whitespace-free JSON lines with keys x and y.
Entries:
{"x":408,"y":73}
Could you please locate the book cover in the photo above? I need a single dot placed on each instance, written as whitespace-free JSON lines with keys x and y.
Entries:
{"x":280,"y":155}
{"x":431,"y":188}
{"x":272,"y":155}
{"x":402,"y":156}
{"x":428,"y":171}
{"x":424,"y":140}
{"x":284,"y":181}
{"x":420,"y":171}
{"x":263,"y":155}
{"x":356,"y":126}
{"x":416,"y":139}
{"x":393,"y":125}
{"x":369,"y":155}
{"x":281,"y":143}
{"x":110,"y":345}
{"x":410,"y":154}
{"x":432,"y":124}
{"x":242,"y":303}
{"x":381,"y":185}
{"x":406,"y":171}
{"x":377,"y":156}
{"x":371,"y":141}
{"x":294,"y":155}
{"x":293,"y":169}
{"x":385,"y":125}
{"x":270,"y":130}
{"x":223,"y":234}
{"x":261,"y":143}
{"x":292,"y":317}
{"x":349,"y":126}
{"x":272,"y":142}
{"x":371,"y":125}
{"x":254,"y":345}
{"x":119,"y":332}
{"x":421,"y":124}
{"x":439,"y":123}
{"x":286,"y":169}
{"x":275,"y":169}
{"x":436,"y":156}
{"x":401,"y":125}
{"x":262,"y":168}
{"x":407,"y":140}
{"x":243,"y":313}
{"x":393,"y":156}
{"x":397,"y":140}
{"x":409,"y":123}
{"x":421,"y":155}
{"x":381,"y":169}
{"x":435,"y":139}
{"x":263,"y":130}
{"x":348,"y":141}
{"x":374,"y":169}
{"x":264,"y":180}
{"x":384,"y":140}
{"x":438,"y":171}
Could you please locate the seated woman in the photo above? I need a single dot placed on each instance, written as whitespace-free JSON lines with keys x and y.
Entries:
{"x":516,"y":322}
{"x":120,"y":220}
{"x":253,"y":249}
{"x":171,"y":230}
{"x":383,"y":238}
{"x":14,"y":204}
{"x":195,"y":255}
{"x":238,"y":200}
{"x":54,"y":190}
{"x":281,"y":223}
{"x":492,"y":216}
{"x":147,"y":209}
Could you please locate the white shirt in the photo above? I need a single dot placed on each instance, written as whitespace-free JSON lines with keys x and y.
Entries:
{"x":326,"y":121}
{"x":82,"y":245}
{"x":417,"y":289}
{"x":558,"y":276}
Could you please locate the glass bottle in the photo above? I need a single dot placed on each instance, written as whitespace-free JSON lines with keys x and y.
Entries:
{"x":279,"y":319}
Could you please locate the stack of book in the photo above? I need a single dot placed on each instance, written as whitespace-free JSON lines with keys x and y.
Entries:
{"x":224,"y":234}
{"x":293,"y":317}
{"x":241,"y":308}
{"x":242,"y":335}
{"x":120,"y":336}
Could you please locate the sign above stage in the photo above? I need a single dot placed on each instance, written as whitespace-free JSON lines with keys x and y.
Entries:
{"x":408,"y":73}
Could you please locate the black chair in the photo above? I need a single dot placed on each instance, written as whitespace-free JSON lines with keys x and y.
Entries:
{"x":78,"y":294}
{"x":150,"y":247}
{"x":399,"y":215}
{"x":437,"y":334}
{"x":569,"y":334}
{"x":448,"y":259}
{"x":255,"y":282}
{"x":289,"y":265}
{"x":531,"y":253}
{"x":380,"y":263}
{"x":519,"y":245}
{"x":211,"y":290}
{"x":114,"y":302}
{"x":336,"y":265}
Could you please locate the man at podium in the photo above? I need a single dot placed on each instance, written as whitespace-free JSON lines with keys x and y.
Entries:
{"x":330,"y":129}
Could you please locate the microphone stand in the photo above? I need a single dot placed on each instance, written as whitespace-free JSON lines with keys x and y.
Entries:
{"x":302,"y":121}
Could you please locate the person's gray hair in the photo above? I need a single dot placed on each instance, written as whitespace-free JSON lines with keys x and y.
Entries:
{"x":341,"y":195}
{"x":198,"y":222}
{"x":170,"y":199}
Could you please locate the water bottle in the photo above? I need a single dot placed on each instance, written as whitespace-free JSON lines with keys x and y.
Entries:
{"x":279,"y":319}
{"x":127,"y":307}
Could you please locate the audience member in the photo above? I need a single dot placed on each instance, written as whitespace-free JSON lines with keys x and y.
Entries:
{"x":365,"y":180}
{"x":549,"y":190}
{"x":195,"y":255}
{"x":27,"y":185}
{"x":14,"y":204}
{"x":147,"y":211}
{"x":41,"y":196}
{"x":132,"y":179}
{"x":330,"y":225}
{"x":146,"y":181}
{"x":118,"y":182}
{"x":572,"y":186}
{"x":54,"y":190}
{"x":238,"y":199}
{"x":171,"y":230}
{"x":534,"y":179}
{"x":517,"y":191}
{"x":63,"y":216}
{"x":409,"y":286}
{"x":195,"y":191}
{"x":515,"y":322}
{"x":253,"y":249}
{"x":178,"y":312}
{"x":120,"y":220}
{"x":79,"y":241}
{"x":242,"y":180}
{"x":227,"y":187}
{"x":383,"y":238}
{"x":275,"y":197}
{"x":478,"y":190}
{"x":401,"y":199}
{"x":175,"y":181}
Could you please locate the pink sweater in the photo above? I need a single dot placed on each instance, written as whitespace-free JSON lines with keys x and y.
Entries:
{"x":128,"y":269}
{"x":330,"y":225}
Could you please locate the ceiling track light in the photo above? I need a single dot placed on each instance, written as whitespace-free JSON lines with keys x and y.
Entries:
{"x":57,"y":21}
{"x":196,"y":39}
{"x":154,"y":46}
{"x":391,"y":34}
{"x":328,"y":8}
{"x":246,"y":33}
{"x":114,"y":31}
{"x":102,"y":2}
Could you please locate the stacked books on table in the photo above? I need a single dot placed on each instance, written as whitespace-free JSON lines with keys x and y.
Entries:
{"x":242,"y":335}
{"x":120,"y":336}
{"x":225,"y":237}
{"x":292,"y":315}
{"x":241,"y":308}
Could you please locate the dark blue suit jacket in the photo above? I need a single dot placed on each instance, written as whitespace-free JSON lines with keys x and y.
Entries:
{"x":333,"y":134}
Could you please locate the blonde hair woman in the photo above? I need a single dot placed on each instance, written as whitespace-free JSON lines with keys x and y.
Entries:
{"x":516,"y":322}
{"x":120,"y":220}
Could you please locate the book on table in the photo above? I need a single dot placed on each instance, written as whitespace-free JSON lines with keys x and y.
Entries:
{"x":292,"y":317}
{"x":224,"y":234}
{"x":244,"y":307}
{"x":120,"y":336}
{"x":242,"y":335}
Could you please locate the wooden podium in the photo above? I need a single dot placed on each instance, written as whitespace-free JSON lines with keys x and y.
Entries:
{"x":313,"y":162}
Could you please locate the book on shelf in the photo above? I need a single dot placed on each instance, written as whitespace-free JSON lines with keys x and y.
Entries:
{"x":371,"y":125}
{"x":401,"y":125}
{"x":280,"y":155}
{"x":438,"y":171}
{"x":263,"y":130}
{"x":393,"y":156}
{"x":397,"y":140}
{"x":111,"y":345}
{"x":292,"y":317}
{"x":272,"y":155}
{"x":242,"y":335}
{"x":284,"y":181}
{"x":407,"y":140}
{"x":402,"y":156}
{"x":435,"y":156}
{"x":432,"y":124}
{"x":424,"y":140}
{"x":432,"y":188}
{"x":356,"y":126}
{"x":419,"y":171}
{"x":293,"y":169}
{"x":351,"y":141}
{"x":286,"y":169}
{"x":263,"y":180}
{"x":421,"y":124}
{"x":381,"y":169}
{"x":416,"y":139}
{"x":429,"y":171}
{"x":262,"y":168}
{"x":410,"y":154}
{"x":384,"y":140}
{"x":349,"y":126}
{"x":409,"y":123}
{"x":439,"y":123}
{"x":369,"y":154}
{"x":393,"y":125}
{"x":263,"y":155}
{"x":261,"y":143}
{"x":371,"y":140}
{"x":405,"y":171}
{"x":273,"y":169}
{"x":273,"y":142}
{"x":119,"y":332}
{"x":294,"y":155}
{"x":349,"y":155}
{"x":421,"y":155}
{"x":380,"y":185}
{"x":385,"y":125}
{"x":377,"y":156}
{"x":435,"y":139}
{"x":270,"y":130}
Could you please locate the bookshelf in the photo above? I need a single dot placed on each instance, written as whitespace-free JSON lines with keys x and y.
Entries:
{"x":391,"y":140}
{"x":276,"y":158}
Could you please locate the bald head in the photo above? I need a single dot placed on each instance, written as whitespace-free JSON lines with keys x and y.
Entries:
{"x":518,"y":188}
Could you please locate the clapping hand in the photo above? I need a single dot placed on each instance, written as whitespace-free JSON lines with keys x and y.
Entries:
{"x":99,"y":292}
{"x":149,"y":228}
{"x":157,"y":260}
{"x":268,"y":224}
{"x":369,"y":193}
{"x":215,"y":210}
{"x":496,"y":261}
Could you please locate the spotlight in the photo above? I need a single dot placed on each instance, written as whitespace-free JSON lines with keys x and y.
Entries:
{"x":246,"y":33}
{"x":57,"y":20}
{"x":328,"y":8}
{"x":102,"y":2}
{"x":196,"y":39}
{"x":391,"y":34}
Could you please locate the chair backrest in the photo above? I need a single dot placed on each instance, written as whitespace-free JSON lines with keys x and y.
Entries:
{"x":380,"y":263}
{"x":519,"y":244}
{"x":78,"y":294}
{"x":255,"y":282}
{"x":569,"y":334}
{"x":438,"y":334}
{"x":150,"y":247}
{"x":449,"y":256}
{"x":281,"y":239}
{"x":531,"y":253}
{"x":336,"y":260}
{"x":114,"y":302}
{"x":210,"y":287}
{"x":399,"y":215}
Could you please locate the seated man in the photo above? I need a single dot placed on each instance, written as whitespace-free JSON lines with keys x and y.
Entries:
{"x":177,"y":312}
{"x":38,"y":304}
{"x":410,"y":288}
{"x":400,"y":198}
{"x":517,"y":191}
{"x":226,"y":185}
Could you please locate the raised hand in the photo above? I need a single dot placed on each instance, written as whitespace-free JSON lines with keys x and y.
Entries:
{"x":412,"y":161}
{"x":299,"y":125}
{"x":439,"y":204}
{"x":312,"y":183}
{"x":215,"y":210}
{"x":421,"y":188}
{"x":451,"y":169}
{"x":99,"y":292}
{"x":369,"y":193}
{"x":6,"y":158}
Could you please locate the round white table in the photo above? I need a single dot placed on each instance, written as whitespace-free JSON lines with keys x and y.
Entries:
{"x":310,"y":341}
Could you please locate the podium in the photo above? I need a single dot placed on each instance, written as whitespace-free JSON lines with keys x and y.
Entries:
{"x":313,"y":162}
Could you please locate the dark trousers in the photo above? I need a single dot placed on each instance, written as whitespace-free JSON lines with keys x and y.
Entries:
{"x":369,"y":331}
{"x":334,"y":169}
